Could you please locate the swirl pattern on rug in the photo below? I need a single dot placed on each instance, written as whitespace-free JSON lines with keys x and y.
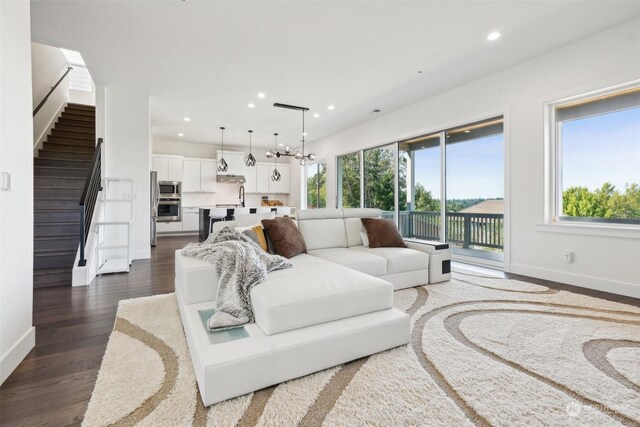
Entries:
{"x":484,"y":351}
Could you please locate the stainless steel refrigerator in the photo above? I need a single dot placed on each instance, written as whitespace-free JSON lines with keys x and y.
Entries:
{"x":155,"y":198}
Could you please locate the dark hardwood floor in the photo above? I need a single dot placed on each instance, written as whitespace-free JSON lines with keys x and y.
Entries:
{"x":52,"y":386}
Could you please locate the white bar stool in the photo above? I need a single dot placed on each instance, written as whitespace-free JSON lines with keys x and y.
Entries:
{"x":263,"y":209}
{"x":284,"y":210}
{"x":215,"y":215}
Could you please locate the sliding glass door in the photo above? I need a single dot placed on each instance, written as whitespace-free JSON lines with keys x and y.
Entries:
{"x":445,"y":186}
{"x":475,"y":189}
{"x":419,"y":163}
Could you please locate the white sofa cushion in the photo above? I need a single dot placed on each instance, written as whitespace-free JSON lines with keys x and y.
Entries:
{"x":316,"y":291}
{"x":361,"y":213}
{"x":196,"y":279}
{"x":323,"y":233}
{"x":305,"y":214}
{"x":399,"y":260}
{"x":353,"y":227}
{"x":364,"y":262}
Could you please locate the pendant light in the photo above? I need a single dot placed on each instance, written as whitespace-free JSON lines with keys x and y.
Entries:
{"x":275,"y":175}
{"x":222,"y":164}
{"x":301,"y":156}
{"x":250,"y":160}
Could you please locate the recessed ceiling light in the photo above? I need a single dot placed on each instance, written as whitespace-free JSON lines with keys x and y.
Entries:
{"x":316,"y":115}
{"x":181,"y":134}
{"x":261,"y":95}
{"x":493,"y":36}
{"x":331,"y":107}
{"x":281,"y":145}
{"x":187,"y":119}
{"x":467,"y":131}
{"x":251,"y":105}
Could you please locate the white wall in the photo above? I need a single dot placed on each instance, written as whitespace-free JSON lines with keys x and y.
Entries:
{"x":187,"y":149}
{"x":17,"y":334}
{"x":607,"y":58}
{"x":48,"y":64}
{"x":127,"y":146}
{"x":81,"y":97}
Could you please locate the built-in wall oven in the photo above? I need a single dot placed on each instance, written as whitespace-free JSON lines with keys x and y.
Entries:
{"x":170,"y":201}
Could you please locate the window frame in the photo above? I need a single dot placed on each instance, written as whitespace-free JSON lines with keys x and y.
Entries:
{"x":553,"y":219}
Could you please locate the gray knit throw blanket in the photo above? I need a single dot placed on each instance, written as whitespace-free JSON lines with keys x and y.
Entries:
{"x":240,"y":265}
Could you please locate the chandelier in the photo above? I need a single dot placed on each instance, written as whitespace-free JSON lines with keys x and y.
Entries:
{"x":301,"y":156}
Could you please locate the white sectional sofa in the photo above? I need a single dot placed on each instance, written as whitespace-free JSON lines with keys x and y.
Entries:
{"x":335,"y":235}
{"x":335,"y":305}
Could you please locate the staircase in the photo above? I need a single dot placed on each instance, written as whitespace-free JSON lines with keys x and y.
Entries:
{"x":60,"y":171}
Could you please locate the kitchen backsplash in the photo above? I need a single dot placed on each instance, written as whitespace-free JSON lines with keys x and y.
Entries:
{"x":228,"y":194}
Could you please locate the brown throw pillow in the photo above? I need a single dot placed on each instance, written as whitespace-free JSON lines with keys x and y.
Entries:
{"x":382,"y":233}
{"x":285,"y":236}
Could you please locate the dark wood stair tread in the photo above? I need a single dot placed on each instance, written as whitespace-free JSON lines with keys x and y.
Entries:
{"x":52,"y":270}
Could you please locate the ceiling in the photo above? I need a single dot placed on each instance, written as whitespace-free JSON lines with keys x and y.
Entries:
{"x":208,"y":60}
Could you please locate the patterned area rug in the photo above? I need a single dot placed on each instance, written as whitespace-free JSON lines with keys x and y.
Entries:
{"x":484,"y":351}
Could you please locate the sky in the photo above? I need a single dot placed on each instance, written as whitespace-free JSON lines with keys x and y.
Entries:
{"x":594,"y":150}
{"x":475,"y":169}
{"x":602,"y":148}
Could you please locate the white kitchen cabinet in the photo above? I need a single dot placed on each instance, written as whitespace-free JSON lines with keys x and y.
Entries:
{"x":208,"y":182}
{"x":168,"y":227}
{"x":235,"y":162}
{"x":175,"y":169}
{"x":190,"y":220}
{"x":284,"y":185}
{"x":191,"y":176}
{"x":169,"y":168}
{"x":161,"y":165}
{"x":263,"y":176}
{"x":199,"y":176}
{"x":250,"y":174}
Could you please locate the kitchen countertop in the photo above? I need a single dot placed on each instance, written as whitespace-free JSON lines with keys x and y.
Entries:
{"x":222,"y":207}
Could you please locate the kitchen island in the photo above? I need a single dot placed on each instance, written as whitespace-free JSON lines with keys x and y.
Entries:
{"x":210,"y":214}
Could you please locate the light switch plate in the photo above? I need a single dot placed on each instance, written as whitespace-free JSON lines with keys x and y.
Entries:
{"x":6,"y":181}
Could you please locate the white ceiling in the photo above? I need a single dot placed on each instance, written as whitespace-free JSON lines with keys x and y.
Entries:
{"x":208,"y":60}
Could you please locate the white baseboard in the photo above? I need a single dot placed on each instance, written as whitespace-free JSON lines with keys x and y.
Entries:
{"x":597,"y":283}
{"x":12,"y":358}
{"x":142,"y":254}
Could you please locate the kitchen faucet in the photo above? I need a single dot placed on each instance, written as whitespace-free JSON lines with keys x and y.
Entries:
{"x":241,"y":195}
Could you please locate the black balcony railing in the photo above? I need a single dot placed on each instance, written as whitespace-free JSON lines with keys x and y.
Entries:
{"x":467,"y":229}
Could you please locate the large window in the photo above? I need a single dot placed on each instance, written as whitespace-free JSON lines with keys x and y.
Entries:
{"x":379,"y":178}
{"x":349,"y":181}
{"x":596,"y":144}
{"x":316,"y":185}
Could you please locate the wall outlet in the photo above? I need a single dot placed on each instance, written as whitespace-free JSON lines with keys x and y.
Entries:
{"x":568,"y":256}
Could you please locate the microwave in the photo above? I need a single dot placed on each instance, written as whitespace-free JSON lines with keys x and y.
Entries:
{"x":170,"y":188}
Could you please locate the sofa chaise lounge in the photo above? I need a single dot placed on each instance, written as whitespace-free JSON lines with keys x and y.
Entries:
{"x":335,"y":305}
